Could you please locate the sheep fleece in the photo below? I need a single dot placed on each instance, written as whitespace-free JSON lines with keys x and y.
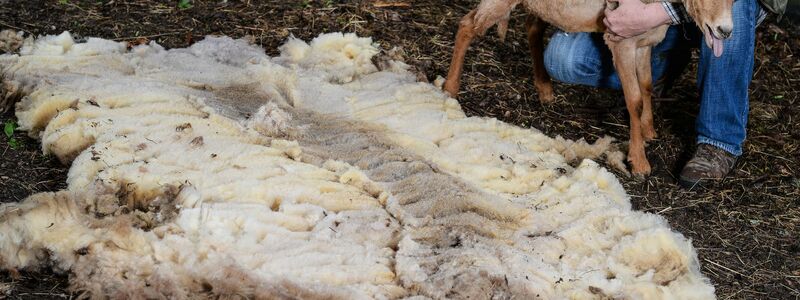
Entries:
{"x":327,"y":172}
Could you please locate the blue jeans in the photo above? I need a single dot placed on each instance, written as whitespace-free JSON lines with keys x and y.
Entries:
{"x":583,"y":58}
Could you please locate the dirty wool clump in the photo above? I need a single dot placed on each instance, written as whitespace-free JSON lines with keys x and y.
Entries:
{"x":11,"y":40}
{"x":217,"y":170}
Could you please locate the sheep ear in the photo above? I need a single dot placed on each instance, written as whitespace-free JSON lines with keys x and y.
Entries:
{"x":502,"y":29}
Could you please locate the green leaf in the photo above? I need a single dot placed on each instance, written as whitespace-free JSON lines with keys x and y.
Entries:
{"x":63,"y":1}
{"x":184,"y":4}
{"x":778,"y":97}
{"x":14,"y":143}
{"x":9,"y":128}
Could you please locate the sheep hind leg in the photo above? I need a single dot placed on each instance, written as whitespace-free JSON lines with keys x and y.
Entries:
{"x":541,"y":80}
{"x":645,"y":76}
{"x":624,"y":55}
{"x":466,"y":33}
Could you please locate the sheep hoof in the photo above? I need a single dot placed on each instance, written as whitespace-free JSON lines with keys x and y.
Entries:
{"x":450,"y":90}
{"x":547,"y":98}
{"x":545,"y":90}
{"x":649,"y":136}
{"x":641,"y":172}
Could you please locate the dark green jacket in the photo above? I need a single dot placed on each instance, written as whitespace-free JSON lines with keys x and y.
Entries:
{"x":777,"y":7}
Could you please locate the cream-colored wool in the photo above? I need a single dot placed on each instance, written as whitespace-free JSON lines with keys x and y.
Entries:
{"x":10,"y":42}
{"x":216,"y":170}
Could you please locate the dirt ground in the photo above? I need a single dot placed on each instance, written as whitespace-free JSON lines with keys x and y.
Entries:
{"x":746,"y":229}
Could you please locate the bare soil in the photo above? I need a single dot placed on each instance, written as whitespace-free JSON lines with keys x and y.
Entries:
{"x":746,"y":228}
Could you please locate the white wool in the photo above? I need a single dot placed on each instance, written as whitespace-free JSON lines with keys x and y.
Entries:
{"x":341,"y":57}
{"x":217,"y":170}
{"x":50,"y":45}
{"x":270,"y":120}
{"x":64,"y":44}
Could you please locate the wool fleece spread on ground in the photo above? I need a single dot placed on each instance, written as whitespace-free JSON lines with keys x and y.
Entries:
{"x":326,"y":172}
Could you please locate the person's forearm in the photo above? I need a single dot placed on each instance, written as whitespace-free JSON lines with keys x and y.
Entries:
{"x":632,"y":18}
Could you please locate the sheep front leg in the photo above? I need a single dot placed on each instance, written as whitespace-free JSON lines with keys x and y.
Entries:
{"x":475,"y":23}
{"x":541,"y":80}
{"x":624,"y":56}
{"x":645,"y":76}
{"x":466,"y":33}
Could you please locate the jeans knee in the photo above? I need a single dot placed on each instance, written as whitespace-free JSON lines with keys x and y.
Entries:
{"x":570,"y":69}
{"x":572,"y":58}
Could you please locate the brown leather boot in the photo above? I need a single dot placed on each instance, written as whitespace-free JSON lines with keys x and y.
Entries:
{"x":708,"y":163}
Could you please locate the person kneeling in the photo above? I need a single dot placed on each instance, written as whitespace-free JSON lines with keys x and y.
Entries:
{"x":723,"y":82}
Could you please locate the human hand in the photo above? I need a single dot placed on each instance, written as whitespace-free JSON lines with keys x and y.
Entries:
{"x":632,"y":18}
